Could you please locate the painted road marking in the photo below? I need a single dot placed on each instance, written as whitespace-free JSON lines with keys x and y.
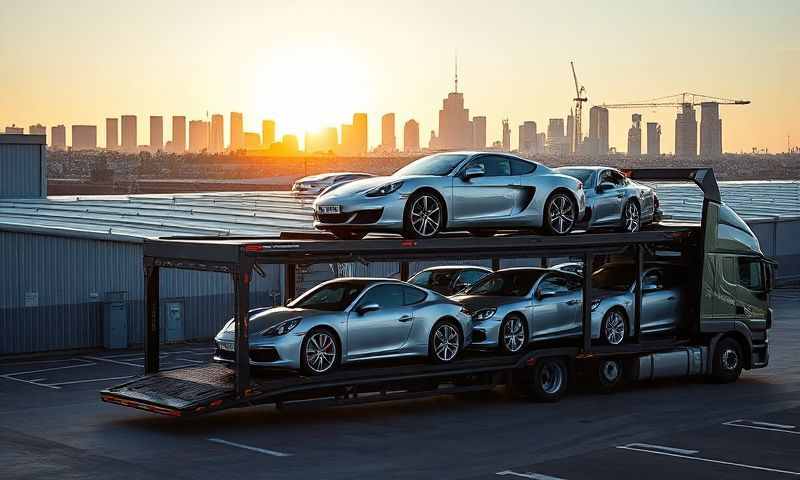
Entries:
{"x":118,"y":362}
{"x":663,"y":448}
{"x":13,"y":375}
{"x":88,"y":381}
{"x":635,"y":447}
{"x":772,"y":427}
{"x":248,"y":447}
{"x":534,"y":476}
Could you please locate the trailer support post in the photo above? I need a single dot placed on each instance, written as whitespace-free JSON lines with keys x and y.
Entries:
{"x":151,"y":330}
{"x":637,"y":299}
{"x":404,"y":271}
{"x":290,"y":282}
{"x":495,"y":264}
{"x":588,"y":261}
{"x":241,"y":292}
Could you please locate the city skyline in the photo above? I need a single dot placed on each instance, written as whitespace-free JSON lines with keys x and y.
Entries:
{"x":314,"y":66}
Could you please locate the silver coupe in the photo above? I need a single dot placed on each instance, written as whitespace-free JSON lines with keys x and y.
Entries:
{"x":613,"y":200}
{"x":352,"y":319}
{"x":315,"y":184}
{"x":475,"y":191}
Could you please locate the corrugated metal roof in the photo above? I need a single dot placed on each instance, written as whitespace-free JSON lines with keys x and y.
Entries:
{"x":134,"y":217}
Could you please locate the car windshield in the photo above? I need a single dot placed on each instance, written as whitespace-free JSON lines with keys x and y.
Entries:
{"x":613,"y":277}
{"x":439,"y":165}
{"x":332,"y":297}
{"x":434,"y":278}
{"x":511,"y":283}
{"x":582,"y":174}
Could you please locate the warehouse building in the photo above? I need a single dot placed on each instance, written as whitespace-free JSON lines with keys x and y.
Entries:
{"x":71,"y":267}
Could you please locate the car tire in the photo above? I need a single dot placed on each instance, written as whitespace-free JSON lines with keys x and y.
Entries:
{"x":631,"y":217}
{"x":727,"y":362}
{"x":614,"y":327}
{"x":482,"y":233}
{"x":444,"y":342}
{"x":560,"y":213}
{"x":316,"y":350}
{"x":424,"y":215}
{"x":549,"y":380}
{"x":344,"y":234}
{"x":513,"y":335}
{"x":610,"y":374}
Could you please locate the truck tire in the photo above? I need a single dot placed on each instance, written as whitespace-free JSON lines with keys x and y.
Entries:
{"x":727,"y":361}
{"x":549,"y":380}
{"x":610,"y":374}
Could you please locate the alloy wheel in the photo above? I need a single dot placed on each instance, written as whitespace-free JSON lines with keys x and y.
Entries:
{"x":445,"y":342}
{"x":426,"y":215}
{"x":615,"y":328}
{"x":513,"y":334}
{"x":320,"y":352}
{"x":730,"y":359}
{"x":631,"y":217}
{"x":561,"y":214}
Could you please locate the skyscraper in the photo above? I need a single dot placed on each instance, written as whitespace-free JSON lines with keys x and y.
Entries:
{"x":37,"y":129}
{"x":237,"y":131}
{"x":686,"y":132}
{"x":653,"y":139}
{"x":479,"y":133}
{"x":710,"y":130}
{"x":129,"y":141}
{"x":58,"y":137}
{"x":252,"y":141}
{"x":267,"y":133}
{"x":178,"y":134}
{"x":557,"y":142}
{"x":571,"y":131}
{"x":541,"y":140}
{"x":84,"y":137}
{"x":360,"y":133}
{"x":216,"y":142}
{"x":198,"y":136}
{"x":527,"y":137}
{"x":411,"y":136}
{"x":635,"y":135}
{"x":454,"y":129}
{"x":598,"y":131}
{"x":323,"y":141}
{"x":506,"y":136}
{"x":388,"y":140}
{"x":112,"y":133}
{"x":13,"y":129}
{"x":156,"y":133}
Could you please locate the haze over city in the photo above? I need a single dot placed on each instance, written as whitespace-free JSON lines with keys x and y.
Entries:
{"x":313,"y":66}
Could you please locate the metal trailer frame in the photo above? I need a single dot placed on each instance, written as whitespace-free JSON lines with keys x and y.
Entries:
{"x":240,"y":256}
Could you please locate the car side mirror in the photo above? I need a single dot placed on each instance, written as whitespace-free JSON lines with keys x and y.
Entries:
{"x":474,"y":171}
{"x":605,"y":186}
{"x":365,"y":309}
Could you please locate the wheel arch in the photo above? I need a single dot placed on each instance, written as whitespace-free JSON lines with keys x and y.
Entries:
{"x":433,"y":191}
{"x":453,"y":320}
{"x":336,"y":337}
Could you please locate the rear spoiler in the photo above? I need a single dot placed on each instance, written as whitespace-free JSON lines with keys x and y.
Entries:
{"x":702,"y":177}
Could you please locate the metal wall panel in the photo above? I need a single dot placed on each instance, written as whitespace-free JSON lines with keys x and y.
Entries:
{"x":21,"y":170}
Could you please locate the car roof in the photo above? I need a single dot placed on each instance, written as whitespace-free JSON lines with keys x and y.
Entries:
{"x":538,"y":269}
{"x":455,"y":267}
{"x":583,"y":167}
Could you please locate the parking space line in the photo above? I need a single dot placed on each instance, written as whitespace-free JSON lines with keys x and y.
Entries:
{"x":636,"y":448}
{"x":248,"y":447}
{"x":87,"y":381}
{"x":13,"y":375}
{"x":534,"y":476}
{"x":29,"y":382}
{"x":663,"y":448}
{"x":771,"y":427}
{"x":118,"y":362}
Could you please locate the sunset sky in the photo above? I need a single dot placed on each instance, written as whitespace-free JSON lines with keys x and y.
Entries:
{"x":309,"y":64}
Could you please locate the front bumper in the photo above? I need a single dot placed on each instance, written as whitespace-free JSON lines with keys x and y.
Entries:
{"x":359,"y":212}
{"x":277,"y":352}
{"x":486,"y":334}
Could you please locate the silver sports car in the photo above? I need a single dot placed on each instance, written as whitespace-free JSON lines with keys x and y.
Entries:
{"x":449,"y":280}
{"x":613,"y":200}
{"x":315,"y":184}
{"x":352,"y":319}
{"x":474,"y":191}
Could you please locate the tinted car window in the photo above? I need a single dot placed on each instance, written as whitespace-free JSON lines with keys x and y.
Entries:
{"x":414,"y":295}
{"x":555,"y":284}
{"x":521,"y":167}
{"x":493,"y":165}
{"x":439,"y":165}
{"x":386,"y":296}
{"x":421,"y":279}
{"x":614,"y":277}
{"x":331,"y":297}
{"x":653,"y":280}
{"x":585,"y":175}
{"x":510,"y":283}
{"x":744,"y":271}
{"x":470,"y":276}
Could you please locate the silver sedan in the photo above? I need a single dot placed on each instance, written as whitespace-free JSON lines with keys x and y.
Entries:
{"x":475,"y":191}
{"x":613,"y":200}
{"x":353,"y":319}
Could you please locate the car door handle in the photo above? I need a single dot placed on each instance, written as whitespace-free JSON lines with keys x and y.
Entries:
{"x":405,"y":318}
{"x":573,"y":302}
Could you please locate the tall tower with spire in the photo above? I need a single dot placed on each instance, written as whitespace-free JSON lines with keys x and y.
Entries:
{"x":455,"y":128}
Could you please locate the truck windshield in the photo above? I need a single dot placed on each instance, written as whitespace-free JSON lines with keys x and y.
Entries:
{"x":332,"y":297}
{"x":617,"y":277}
{"x":510,"y":283}
{"x":438,"y":165}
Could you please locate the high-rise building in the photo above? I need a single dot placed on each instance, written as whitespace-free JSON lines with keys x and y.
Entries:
{"x":710,"y":130}
{"x":388,"y":139}
{"x":598,"y":131}
{"x":479,"y":133}
{"x":216,"y":142}
{"x":653,"y":139}
{"x":178,"y":134}
{"x":411,"y":136}
{"x":454,"y":125}
{"x":570,"y":131}
{"x":129,"y":142}
{"x":156,"y":133}
{"x":237,"y":131}
{"x":323,"y":141}
{"x":527,"y":137}
{"x":686,"y":132}
{"x":557,"y":142}
{"x":267,"y":133}
{"x":252,"y":141}
{"x":635,"y":135}
{"x":37,"y":129}
{"x":506,"y":136}
{"x":112,"y":133}
{"x":13,"y":129}
{"x":58,"y":137}
{"x":198,"y":135}
{"x":541,"y":140}
{"x":360,"y":133}
{"x":84,"y":137}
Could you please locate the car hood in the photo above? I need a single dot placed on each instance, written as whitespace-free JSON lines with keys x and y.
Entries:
{"x":479,"y":302}
{"x":269,"y":318}
{"x":357,"y":186}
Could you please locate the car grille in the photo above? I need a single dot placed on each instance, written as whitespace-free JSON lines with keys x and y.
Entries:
{"x":364,"y":217}
{"x":261,"y":355}
{"x":367,"y":216}
{"x":333,"y":217}
{"x":478,"y":336}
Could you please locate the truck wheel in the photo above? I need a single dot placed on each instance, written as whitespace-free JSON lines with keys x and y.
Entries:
{"x":727,"y":361}
{"x":319,"y":353}
{"x":444,"y":342}
{"x":609,"y":374}
{"x":549,"y":380}
{"x":614,"y":327}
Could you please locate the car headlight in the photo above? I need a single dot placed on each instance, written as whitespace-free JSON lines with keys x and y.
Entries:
{"x":595,"y":304}
{"x":282,"y":328}
{"x":385,"y":189}
{"x":484,"y":314}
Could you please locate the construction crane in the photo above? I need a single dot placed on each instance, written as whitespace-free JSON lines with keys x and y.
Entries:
{"x":580,"y":97}
{"x":680,"y":100}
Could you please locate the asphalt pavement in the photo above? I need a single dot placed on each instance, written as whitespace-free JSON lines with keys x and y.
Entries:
{"x":53,"y":424}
